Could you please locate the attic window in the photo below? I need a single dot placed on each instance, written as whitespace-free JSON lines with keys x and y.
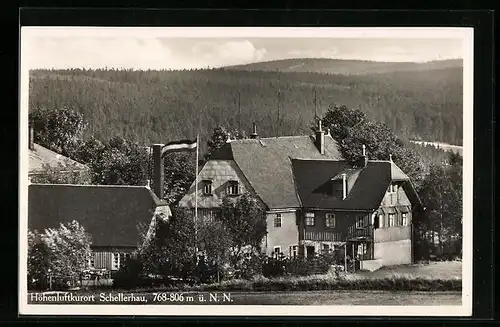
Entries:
{"x":207,"y":187}
{"x":393,"y":188}
{"x":233,"y":188}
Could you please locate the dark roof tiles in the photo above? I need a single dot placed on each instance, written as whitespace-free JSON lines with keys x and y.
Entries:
{"x":110,"y":214}
{"x":266,"y":164}
{"x":314,"y":178}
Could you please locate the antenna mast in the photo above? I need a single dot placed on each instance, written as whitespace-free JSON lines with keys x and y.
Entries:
{"x":279,"y":103}
{"x":315,"y":104}
{"x":239,"y":111}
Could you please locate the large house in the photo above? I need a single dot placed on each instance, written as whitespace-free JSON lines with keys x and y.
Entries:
{"x":315,"y":200}
{"x":116,"y":217}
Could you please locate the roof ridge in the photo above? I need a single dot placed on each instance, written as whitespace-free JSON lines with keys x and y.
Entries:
{"x":319,"y":159}
{"x":92,"y":185}
{"x":270,"y":138}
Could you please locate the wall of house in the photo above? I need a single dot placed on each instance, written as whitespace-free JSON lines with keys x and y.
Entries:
{"x":392,"y":245}
{"x":398,"y":198}
{"x":105,"y":258}
{"x":393,"y":253}
{"x":220,"y":172}
{"x":285,"y":236}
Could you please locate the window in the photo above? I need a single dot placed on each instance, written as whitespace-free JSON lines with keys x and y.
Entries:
{"x":233,"y":188}
{"x":381,"y":221}
{"x":293,"y":251}
{"x":392,"y":220}
{"x":115,"y":260}
{"x":207,"y":187}
{"x":404,"y":219}
{"x":330,"y":220}
{"x":277,"y":252}
{"x":359,"y":221}
{"x":123,"y":258}
{"x":326,"y":248}
{"x":309,"y":218}
{"x":91,"y":261}
{"x":362,"y":248}
{"x":206,"y":214}
{"x":393,"y":188}
{"x":277,"y":220}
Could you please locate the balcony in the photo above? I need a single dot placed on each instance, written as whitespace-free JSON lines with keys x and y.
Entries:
{"x":323,"y":236}
{"x":360,"y":233}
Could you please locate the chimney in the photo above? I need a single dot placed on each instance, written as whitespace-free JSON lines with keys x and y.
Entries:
{"x":320,"y":139}
{"x":158,"y":171}
{"x":390,"y":157}
{"x":344,"y":186}
{"x":254,"y":134}
{"x":365,"y":157}
{"x":31,"y":136}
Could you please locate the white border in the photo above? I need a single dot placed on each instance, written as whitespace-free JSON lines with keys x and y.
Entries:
{"x":466,"y":34}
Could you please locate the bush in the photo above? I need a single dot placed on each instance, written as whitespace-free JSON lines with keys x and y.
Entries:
{"x":314,"y":283}
{"x":300,"y":266}
{"x":130,"y":275}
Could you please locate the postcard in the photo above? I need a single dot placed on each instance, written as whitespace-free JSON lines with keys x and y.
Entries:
{"x":246,"y":171}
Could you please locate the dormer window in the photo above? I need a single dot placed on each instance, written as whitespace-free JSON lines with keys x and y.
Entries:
{"x":207,"y":187}
{"x":233,"y":188}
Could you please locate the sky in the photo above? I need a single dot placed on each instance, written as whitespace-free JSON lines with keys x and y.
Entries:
{"x":170,"y":48}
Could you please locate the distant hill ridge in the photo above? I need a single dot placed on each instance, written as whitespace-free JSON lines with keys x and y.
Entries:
{"x":345,"y":67}
{"x":162,"y":105}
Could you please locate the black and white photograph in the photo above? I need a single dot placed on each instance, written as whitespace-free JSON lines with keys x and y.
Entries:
{"x":246,"y":171}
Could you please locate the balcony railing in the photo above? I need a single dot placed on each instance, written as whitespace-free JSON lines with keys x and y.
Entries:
{"x":360,"y":232}
{"x":323,"y":236}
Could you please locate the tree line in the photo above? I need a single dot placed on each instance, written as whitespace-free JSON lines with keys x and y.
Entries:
{"x":436,"y":174}
{"x":146,"y":106}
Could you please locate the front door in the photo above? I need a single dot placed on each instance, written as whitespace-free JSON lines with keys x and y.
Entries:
{"x":310,"y":251}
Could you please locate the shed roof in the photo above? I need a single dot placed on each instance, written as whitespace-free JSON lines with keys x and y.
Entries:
{"x":40,"y":156}
{"x":111,"y":214}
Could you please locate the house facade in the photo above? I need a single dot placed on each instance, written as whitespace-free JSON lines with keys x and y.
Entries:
{"x":116,"y":217}
{"x":315,"y":200}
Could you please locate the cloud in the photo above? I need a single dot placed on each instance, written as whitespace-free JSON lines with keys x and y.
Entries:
{"x":228,"y":53}
{"x":95,"y":52}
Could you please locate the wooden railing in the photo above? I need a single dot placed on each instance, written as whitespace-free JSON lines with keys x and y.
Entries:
{"x":359,"y":232}
{"x":323,"y":236}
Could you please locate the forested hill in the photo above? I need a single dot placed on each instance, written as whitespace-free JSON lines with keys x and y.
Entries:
{"x":160,"y":106}
{"x":346,"y":67}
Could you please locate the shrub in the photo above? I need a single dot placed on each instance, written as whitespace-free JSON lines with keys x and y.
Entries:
{"x":129,"y":275}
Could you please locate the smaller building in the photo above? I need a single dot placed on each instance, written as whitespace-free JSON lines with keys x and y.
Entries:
{"x":40,"y":158}
{"x":116,"y":217}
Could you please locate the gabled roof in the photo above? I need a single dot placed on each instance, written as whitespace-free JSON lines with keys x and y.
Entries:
{"x":111,"y":214}
{"x":40,"y":156}
{"x":314,"y":178}
{"x":266,"y":163}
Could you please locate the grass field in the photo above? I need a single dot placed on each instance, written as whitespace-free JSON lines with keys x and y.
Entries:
{"x":430,"y":282}
{"x":434,"y":270}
